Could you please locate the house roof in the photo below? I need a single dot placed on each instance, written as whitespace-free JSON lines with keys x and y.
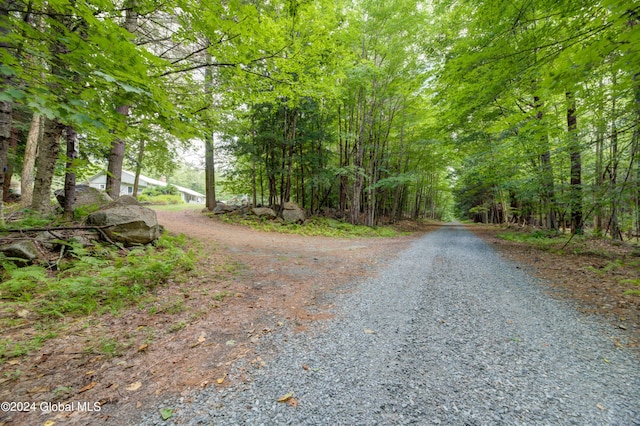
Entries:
{"x":155,"y":182}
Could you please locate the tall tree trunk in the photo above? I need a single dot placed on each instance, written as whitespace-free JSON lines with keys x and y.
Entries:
{"x":575,"y":202}
{"x":358,"y":179}
{"x":636,"y":150}
{"x":5,"y":140}
{"x":116,"y":161}
{"x":11,"y":153}
{"x":254,"y":188}
{"x":6,"y":108}
{"x":46,"y":163}
{"x":546,"y":171}
{"x":29,"y":161}
{"x":116,"y":155}
{"x":70,"y":174}
{"x":210,"y":172}
{"x":209,"y":149}
{"x":139,"y":160}
{"x":599,"y":179}
{"x":614,"y":227}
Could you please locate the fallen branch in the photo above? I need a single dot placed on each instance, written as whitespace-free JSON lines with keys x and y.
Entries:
{"x":100,"y":230}
{"x":56,"y":228}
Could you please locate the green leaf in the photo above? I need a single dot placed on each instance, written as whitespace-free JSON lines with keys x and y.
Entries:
{"x":166,"y":413}
{"x":107,"y":77}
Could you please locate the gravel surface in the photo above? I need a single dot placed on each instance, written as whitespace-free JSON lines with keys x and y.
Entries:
{"x":447,"y":333}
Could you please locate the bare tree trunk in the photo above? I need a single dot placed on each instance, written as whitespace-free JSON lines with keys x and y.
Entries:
{"x":546,"y":172}
{"x":8,"y":170}
{"x":254,"y":189}
{"x":209,"y":153}
{"x":6,"y":109}
{"x":599,"y":179}
{"x":47,"y":159}
{"x":636,"y":150}
{"x":70,"y":174}
{"x":614,"y":227}
{"x":575,"y":202}
{"x":5,"y":140}
{"x":136,"y":179}
{"x":210,"y":172}
{"x":116,"y":155}
{"x":116,"y":160}
{"x":29,"y":162}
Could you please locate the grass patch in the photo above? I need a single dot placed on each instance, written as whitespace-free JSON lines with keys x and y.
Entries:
{"x":176,"y":207}
{"x":174,"y":328}
{"x":89,"y":282}
{"x":544,"y":240}
{"x":106,"y":346}
{"x":316,"y":226}
{"x":220,"y":295}
{"x":25,"y":218}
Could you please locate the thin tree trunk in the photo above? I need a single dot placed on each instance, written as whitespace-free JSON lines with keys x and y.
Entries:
{"x":358,"y":181}
{"x":70,"y":174}
{"x":140,"y":159}
{"x":614,"y":227}
{"x":46,"y":163}
{"x":210,"y":172}
{"x":599,"y":179}
{"x":29,"y":162}
{"x":8,"y":173}
{"x":575,"y":202}
{"x":6,"y":109}
{"x":546,"y":172}
{"x":209,"y":149}
{"x":5,"y":140}
{"x":254,"y":188}
{"x":636,"y":150}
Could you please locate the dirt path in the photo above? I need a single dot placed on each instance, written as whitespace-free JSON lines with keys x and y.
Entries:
{"x":449,"y":332}
{"x":247,"y":283}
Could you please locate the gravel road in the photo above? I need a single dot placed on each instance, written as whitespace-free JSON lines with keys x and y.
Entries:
{"x":447,"y":333}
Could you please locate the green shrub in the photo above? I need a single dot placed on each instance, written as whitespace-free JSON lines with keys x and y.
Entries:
{"x":316,"y":226}
{"x":165,"y":199}
{"x":85,"y":284}
{"x":161,"y":190}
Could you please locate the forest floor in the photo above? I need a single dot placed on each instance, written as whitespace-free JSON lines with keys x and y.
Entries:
{"x":246,"y":284}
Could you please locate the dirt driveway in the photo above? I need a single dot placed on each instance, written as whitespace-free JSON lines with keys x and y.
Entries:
{"x":246,"y":284}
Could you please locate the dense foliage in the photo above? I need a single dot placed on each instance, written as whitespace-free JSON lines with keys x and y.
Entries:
{"x":523,"y":111}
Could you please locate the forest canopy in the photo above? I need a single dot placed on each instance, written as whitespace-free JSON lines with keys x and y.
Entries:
{"x":497,"y":111}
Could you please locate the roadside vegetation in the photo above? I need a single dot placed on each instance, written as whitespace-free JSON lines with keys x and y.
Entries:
{"x":315,"y":226}
{"x":86,"y":282}
{"x":41,"y":299}
{"x":617,"y":260}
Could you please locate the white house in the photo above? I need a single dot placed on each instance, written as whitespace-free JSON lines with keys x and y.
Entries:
{"x":99,"y":181}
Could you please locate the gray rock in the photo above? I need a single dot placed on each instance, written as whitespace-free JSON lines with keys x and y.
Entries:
{"x":264,"y":211}
{"x":47,"y":239}
{"x":123,"y":200}
{"x":127,"y":224}
{"x":293,"y":213}
{"x":25,"y":250}
{"x":85,"y":196}
{"x":222,"y":208}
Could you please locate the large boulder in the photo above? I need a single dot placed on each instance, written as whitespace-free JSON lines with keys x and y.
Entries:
{"x":223,"y":208}
{"x":264,"y":211}
{"x":127,"y":222}
{"x":23,"y":250}
{"x":86,"y":196}
{"x":293,"y":213}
